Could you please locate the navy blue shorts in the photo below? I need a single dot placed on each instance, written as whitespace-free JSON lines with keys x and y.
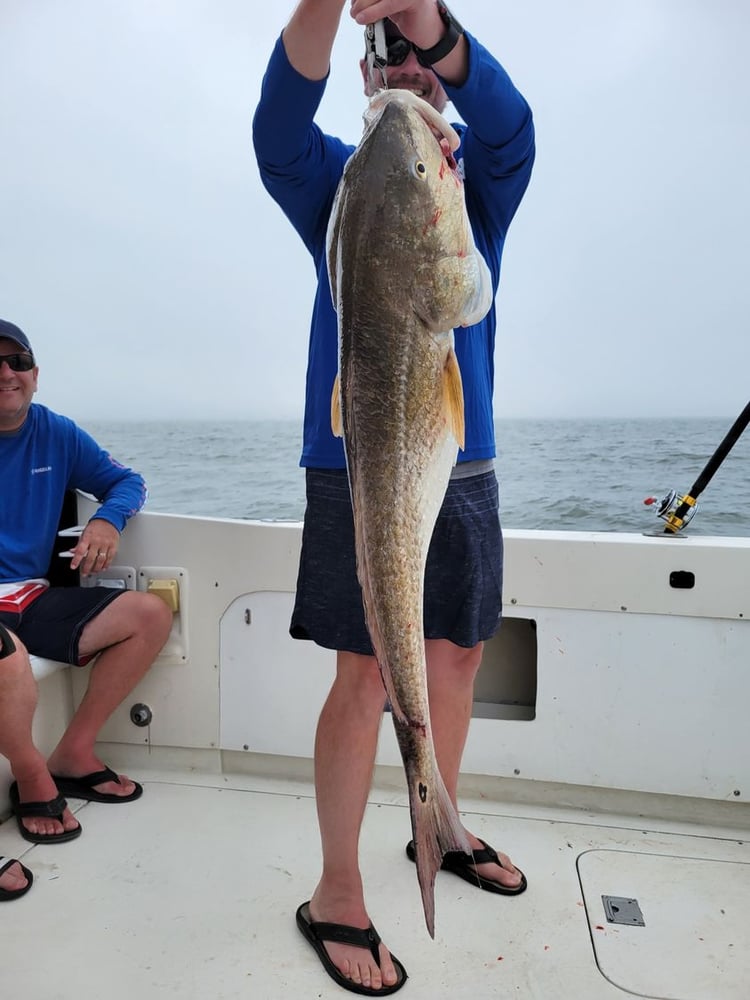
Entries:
{"x":51,"y":625}
{"x":463,"y":576}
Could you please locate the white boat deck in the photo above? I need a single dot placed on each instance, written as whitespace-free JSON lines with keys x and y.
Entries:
{"x":607,"y":755}
{"x":191,"y":892}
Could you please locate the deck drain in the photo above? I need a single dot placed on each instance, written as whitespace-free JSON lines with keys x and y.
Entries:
{"x":621,"y":910}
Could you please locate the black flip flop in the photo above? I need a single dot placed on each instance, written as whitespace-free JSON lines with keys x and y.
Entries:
{"x":7,"y":646}
{"x":463,"y":866}
{"x":53,"y":809}
{"x":83,"y":788}
{"x":317,"y":932}
{"x":7,"y":894}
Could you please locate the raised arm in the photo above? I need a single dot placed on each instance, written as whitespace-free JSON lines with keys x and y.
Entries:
{"x":309,"y":36}
{"x":422,"y":23}
{"x":299,"y":165}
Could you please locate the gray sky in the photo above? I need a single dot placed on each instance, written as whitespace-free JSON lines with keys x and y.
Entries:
{"x":135,"y":235}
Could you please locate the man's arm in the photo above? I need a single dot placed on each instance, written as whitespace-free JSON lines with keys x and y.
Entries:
{"x":122,"y":493}
{"x":299,"y":165}
{"x":498,"y":147}
{"x":311,"y":31}
{"x":421,"y":23}
{"x":124,"y":496}
{"x":120,"y":490}
{"x":309,"y":36}
{"x":479,"y":87}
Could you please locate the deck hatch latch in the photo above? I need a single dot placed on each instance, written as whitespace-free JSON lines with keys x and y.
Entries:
{"x":621,"y":910}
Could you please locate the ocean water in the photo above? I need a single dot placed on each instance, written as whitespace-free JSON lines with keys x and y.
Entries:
{"x":578,"y":475}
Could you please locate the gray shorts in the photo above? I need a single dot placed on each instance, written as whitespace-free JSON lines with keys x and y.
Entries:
{"x":51,"y":625}
{"x":463,"y":576}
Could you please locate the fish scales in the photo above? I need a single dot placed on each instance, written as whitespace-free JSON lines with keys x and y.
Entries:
{"x":404,"y":272}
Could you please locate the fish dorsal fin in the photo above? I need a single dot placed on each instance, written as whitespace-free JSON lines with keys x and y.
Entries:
{"x":453,"y":397}
{"x":337,"y":424}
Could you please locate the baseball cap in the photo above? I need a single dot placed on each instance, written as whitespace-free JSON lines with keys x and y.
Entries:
{"x":12,"y":332}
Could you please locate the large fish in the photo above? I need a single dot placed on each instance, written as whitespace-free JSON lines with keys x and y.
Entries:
{"x":404,"y":271}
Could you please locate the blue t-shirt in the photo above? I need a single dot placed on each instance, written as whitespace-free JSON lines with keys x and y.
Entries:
{"x":301,"y":166}
{"x":48,"y":455}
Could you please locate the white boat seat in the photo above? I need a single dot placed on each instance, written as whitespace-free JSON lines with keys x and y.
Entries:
{"x":42,"y":668}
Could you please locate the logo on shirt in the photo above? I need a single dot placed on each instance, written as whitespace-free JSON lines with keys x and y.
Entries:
{"x":42,"y":468}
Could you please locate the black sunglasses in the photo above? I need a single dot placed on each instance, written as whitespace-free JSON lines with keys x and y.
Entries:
{"x":398,"y":50}
{"x":18,"y":362}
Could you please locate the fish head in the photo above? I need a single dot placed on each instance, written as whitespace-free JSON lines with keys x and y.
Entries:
{"x":405,"y":170}
{"x":405,"y":103}
{"x":399,"y":226}
{"x":406,"y":140}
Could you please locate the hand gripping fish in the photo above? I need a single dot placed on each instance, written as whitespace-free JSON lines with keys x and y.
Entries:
{"x":404,"y":271}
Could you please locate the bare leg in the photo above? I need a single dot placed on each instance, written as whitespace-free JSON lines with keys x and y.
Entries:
{"x":345,"y":747}
{"x":451,"y":671}
{"x":131,"y":632}
{"x":18,"y":699}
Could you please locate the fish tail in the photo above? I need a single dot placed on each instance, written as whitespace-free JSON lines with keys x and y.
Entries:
{"x":437,"y":829}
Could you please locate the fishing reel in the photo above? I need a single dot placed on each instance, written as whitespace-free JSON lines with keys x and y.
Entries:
{"x":678,"y":510}
{"x":669,"y":507}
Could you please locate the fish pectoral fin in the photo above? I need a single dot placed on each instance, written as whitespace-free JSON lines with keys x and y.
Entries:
{"x":453,"y":397}
{"x":337,"y":423}
{"x":478,"y":305}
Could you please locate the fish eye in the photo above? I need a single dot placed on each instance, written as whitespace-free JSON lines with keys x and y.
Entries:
{"x":419,"y":169}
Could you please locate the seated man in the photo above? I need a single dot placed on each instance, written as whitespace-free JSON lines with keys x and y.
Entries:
{"x":42,"y":455}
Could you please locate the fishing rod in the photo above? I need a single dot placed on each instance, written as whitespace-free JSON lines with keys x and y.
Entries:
{"x":678,"y":510}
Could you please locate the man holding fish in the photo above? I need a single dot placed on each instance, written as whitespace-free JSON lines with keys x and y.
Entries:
{"x":400,"y":265}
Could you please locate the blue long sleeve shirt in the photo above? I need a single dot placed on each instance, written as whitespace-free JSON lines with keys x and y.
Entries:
{"x":301,"y":166}
{"x":48,"y":455}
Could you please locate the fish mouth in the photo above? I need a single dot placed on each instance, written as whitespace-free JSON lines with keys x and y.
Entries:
{"x":442,"y":139}
{"x":445,"y":148}
{"x":444,"y":133}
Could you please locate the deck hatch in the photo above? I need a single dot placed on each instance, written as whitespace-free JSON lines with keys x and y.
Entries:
{"x":621,"y":910}
{"x":695,"y":942}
